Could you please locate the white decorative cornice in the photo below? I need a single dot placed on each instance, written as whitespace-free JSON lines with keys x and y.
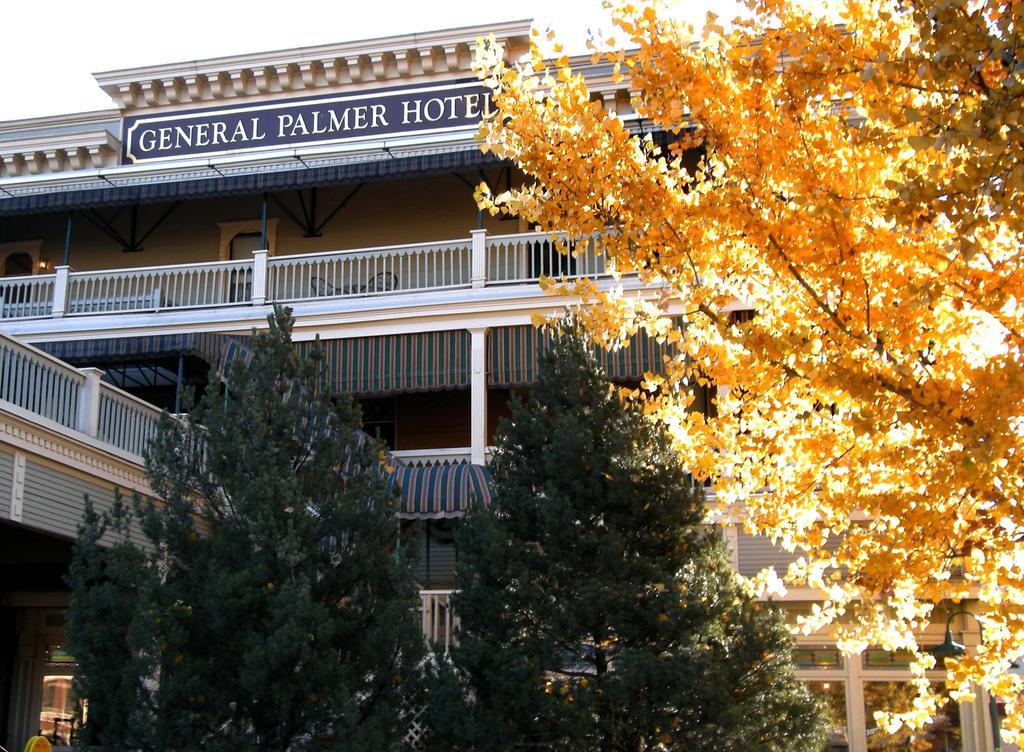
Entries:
{"x":368,"y":62}
{"x":58,"y":153}
{"x":53,"y":123}
{"x":87,"y":146}
{"x":36,"y":439}
{"x":59,"y":143}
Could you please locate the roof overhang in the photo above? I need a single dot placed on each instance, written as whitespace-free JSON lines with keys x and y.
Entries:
{"x":203,"y":178}
{"x":354,"y":64}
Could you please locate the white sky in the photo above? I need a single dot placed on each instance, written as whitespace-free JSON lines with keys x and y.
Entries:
{"x":50,"y":48}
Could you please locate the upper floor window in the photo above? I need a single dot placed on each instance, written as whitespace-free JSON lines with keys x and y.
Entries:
{"x":240,"y":237}
{"x":380,"y":418}
{"x":18,"y":265}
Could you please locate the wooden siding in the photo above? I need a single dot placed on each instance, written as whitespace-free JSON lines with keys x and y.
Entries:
{"x":442,"y":565}
{"x":55,"y":499}
{"x":757,"y":552}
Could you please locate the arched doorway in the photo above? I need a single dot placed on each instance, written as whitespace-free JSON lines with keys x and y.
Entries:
{"x":18,"y":265}
{"x":243,"y":244}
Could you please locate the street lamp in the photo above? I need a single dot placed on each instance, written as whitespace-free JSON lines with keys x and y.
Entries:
{"x":950,"y":648}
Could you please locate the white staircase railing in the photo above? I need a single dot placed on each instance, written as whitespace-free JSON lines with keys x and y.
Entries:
{"x":74,"y":399}
{"x":475,"y":261}
{"x":126,"y":421}
{"x":39,"y":383}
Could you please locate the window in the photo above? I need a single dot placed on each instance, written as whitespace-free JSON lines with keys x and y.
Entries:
{"x":18,"y":265}
{"x":854,"y":688}
{"x":58,"y":711}
{"x":742,"y":316}
{"x":879,"y":659}
{"x":704,"y":399}
{"x":239,"y":238}
{"x":60,"y":715}
{"x":817,"y":656}
{"x":833,"y":696}
{"x":379,"y":418}
{"x":941,"y":735}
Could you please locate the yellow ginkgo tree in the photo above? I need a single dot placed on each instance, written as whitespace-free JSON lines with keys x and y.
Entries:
{"x":855,"y":180}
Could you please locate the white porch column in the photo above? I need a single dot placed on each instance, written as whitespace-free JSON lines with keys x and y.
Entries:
{"x":259,"y":277}
{"x":478,"y":265}
{"x":478,"y":395}
{"x":976,"y":717}
{"x":731,"y":533}
{"x":856,"y":719}
{"x":88,"y":419}
{"x":60,"y":291}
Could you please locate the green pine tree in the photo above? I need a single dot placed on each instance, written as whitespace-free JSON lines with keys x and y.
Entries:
{"x":267,"y":606}
{"x":107,"y":575}
{"x":597,"y":611}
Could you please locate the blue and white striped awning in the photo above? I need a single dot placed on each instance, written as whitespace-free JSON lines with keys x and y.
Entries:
{"x":207,"y":346}
{"x":219,"y":180}
{"x":442,"y":491}
{"x":428,"y":491}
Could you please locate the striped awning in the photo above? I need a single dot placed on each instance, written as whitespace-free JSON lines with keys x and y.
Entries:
{"x":228,"y":180}
{"x":232,"y":348}
{"x":437,"y":491}
{"x":389,"y":364}
{"x":514,"y":353}
{"x":206,"y":346}
{"x":396,"y":363}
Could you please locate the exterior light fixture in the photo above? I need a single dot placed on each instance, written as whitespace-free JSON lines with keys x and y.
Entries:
{"x":950,"y":648}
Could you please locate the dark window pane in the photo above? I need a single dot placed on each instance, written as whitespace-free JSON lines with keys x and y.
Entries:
{"x":833,"y":693}
{"x":941,"y":735}
{"x":817,"y":656}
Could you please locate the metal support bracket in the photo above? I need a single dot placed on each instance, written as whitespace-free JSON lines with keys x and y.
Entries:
{"x":306,"y":219}
{"x":133,"y":242}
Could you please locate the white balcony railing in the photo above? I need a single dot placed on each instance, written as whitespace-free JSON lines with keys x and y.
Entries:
{"x":125,"y":421}
{"x":160,"y":288}
{"x":33,"y":381}
{"x":439,"y":621}
{"x":527,"y":257}
{"x":26,"y":297}
{"x":433,"y":266}
{"x":425,"y":457}
{"x":476,"y":261}
{"x":74,"y":399}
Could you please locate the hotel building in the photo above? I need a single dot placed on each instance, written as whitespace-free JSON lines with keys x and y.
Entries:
{"x":337,"y":180}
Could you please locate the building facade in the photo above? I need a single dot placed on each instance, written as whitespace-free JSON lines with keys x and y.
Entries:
{"x":137,"y":242}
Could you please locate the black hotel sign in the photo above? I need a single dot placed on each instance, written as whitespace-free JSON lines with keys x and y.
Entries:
{"x":301,"y":122}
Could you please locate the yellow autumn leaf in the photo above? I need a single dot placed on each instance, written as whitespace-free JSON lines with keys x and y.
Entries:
{"x":847,"y":314}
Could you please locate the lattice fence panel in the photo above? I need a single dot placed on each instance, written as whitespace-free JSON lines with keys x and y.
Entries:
{"x":416,"y":737}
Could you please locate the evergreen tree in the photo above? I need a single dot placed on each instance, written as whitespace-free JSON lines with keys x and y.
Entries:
{"x":267,"y":606}
{"x":597,"y":611}
{"x":107,"y":575}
